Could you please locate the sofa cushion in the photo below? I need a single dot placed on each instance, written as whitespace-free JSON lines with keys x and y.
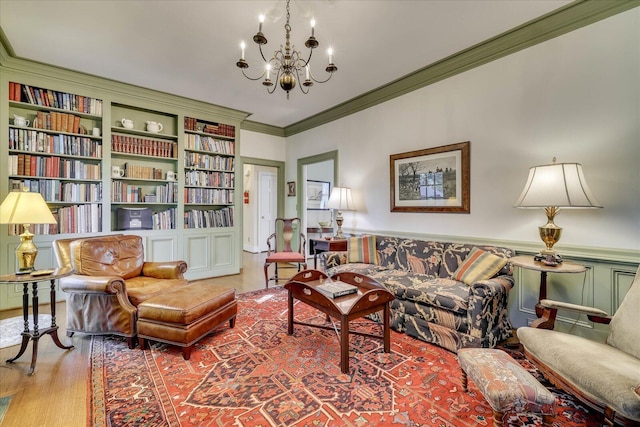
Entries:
{"x":479,"y":265}
{"x":362,"y":249}
{"x":419,"y":256}
{"x":454,"y":254}
{"x":109,"y":256}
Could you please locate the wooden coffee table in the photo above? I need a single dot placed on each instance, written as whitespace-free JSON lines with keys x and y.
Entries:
{"x":370,"y":298}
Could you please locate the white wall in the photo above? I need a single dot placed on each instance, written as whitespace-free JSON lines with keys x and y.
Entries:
{"x":262,"y":146}
{"x":576,"y":97}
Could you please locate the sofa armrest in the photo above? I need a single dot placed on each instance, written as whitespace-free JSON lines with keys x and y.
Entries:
{"x":81,"y":284}
{"x":165,"y":270}
{"x":332,"y":259}
{"x":488,"y":315}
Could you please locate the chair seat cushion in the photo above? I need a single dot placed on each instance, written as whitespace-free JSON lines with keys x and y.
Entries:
{"x":597,"y":370}
{"x":142,"y":288}
{"x":285,"y":257}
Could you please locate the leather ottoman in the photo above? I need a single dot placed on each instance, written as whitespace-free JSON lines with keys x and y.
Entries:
{"x":185,"y":315}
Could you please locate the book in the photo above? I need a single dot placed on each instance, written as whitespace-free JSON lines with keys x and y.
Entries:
{"x":336,"y":289}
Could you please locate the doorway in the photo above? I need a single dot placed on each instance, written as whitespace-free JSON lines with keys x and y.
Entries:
{"x":262,"y":194}
{"x":319,"y":168}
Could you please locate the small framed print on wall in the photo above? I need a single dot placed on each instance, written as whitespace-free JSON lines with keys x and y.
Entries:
{"x":318,"y":194}
{"x":291,"y":188}
{"x":431,"y":180}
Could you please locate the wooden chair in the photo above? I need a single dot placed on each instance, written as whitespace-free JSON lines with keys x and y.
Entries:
{"x":286,"y":246}
{"x":604,"y":376}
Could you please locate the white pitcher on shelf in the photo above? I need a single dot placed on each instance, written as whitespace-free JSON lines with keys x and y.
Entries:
{"x":127,"y":124}
{"x":20,"y":121}
{"x":154,"y":127}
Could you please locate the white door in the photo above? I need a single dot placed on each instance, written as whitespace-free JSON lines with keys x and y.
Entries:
{"x":267,"y":206}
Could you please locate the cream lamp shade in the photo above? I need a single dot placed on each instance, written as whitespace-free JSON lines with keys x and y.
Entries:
{"x":341,"y":200}
{"x":551,"y":187}
{"x":23,"y":207}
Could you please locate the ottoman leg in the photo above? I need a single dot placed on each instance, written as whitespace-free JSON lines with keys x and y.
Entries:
{"x":497,"y":418}
{"x":186,"y":352}
{"x":465,"y":380}
{"x":547,"y":420}
{"x":142,"y":342}
{"x":232,"y":322}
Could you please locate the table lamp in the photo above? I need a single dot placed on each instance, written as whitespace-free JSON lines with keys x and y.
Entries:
{"x":551,"y":187}
{"x":341,"y":200}
{"x":23,"y":207}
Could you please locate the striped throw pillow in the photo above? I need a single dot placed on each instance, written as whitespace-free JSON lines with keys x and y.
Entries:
{"x":362,"y":249}
{"x":479,"y":265}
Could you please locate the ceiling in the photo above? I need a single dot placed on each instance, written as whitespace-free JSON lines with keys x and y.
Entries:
{"x":190,"y":48}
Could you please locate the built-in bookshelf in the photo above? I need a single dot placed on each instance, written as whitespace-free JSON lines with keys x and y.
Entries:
{"x":209,"y":174}
{"x":55,"y":148}
{"x":144,"y":165}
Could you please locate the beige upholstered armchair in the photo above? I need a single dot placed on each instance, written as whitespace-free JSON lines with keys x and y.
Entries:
{"x":110,"y":280}
{"x":605,"y":376}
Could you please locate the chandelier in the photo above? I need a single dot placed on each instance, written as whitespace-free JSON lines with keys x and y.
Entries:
{"x":287,"y":64}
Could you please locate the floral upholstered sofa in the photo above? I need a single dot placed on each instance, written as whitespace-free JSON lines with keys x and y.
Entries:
{"x":449,"y":294}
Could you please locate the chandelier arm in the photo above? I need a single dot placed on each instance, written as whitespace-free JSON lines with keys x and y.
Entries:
{"x":275,"y":85}
{"x":309,"y":58}
{"x":262,"y":54}
{"x":320,"y":81}
{"x":251,"y":78}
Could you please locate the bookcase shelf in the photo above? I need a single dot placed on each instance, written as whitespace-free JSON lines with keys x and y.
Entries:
{"x":202,"y":230}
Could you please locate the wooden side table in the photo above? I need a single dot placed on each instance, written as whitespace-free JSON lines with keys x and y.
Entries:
{"x":529,"y":263}
{"x":35,"y":334}
{"x":317,"y":246}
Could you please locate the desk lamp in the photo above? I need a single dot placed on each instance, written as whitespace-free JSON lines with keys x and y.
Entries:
{"x":26,"y":208}
{"x":341,"y":200}
{"x":551,"y":187}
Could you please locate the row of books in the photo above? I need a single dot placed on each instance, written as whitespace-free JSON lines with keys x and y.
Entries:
{"x":164,"y":220}
{"x":61,"y":122}
{"x":209,"y":179}
{"x":210,"y":196}
{"x":41,"y":142}
{"x":220,"y":129}
{"x":55,"y":99}
{"x":207,"y":143}
{"x":54,"y":190}
{"x":209,"y":218}
{"x":52,"y":167}
{"x":142,"y":172}
{"x":143,"y":146}
{"x":191,"y":124}
{"x":206,"y":161}
{"x":71,"y":219}
{"x":121,"y":192}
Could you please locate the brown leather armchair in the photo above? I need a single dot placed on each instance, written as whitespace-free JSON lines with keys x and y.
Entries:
{"x":111,"y":278}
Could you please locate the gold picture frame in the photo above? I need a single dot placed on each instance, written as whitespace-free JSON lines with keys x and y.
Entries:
{"x":431,"y":180}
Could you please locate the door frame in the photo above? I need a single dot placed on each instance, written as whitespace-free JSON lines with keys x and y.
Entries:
{"x":301,"y":207}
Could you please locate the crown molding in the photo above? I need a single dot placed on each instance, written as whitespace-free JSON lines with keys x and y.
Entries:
{"x":556,"y":23}
{"x":252,"y":126}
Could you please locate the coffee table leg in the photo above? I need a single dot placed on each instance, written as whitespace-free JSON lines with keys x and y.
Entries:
{"x":387,"y":333}
{"x":344,"y":344}
{"x":290,"y":315}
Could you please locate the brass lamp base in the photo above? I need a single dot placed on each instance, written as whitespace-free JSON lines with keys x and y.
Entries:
{"x":550,"y":234}
{"x":26,"y":252}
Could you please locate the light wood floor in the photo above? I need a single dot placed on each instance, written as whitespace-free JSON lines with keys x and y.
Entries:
{"x":56,"y":394}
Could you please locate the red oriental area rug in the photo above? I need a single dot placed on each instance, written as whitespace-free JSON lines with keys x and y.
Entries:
{"x":257,"y":375}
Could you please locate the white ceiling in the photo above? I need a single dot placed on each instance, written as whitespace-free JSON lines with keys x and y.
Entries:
{"x":190,"y":48}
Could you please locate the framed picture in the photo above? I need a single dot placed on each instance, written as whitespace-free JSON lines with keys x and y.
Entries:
{"x":291,"y":188}
{"x":431,"y":180}
{"x":318,"y":194}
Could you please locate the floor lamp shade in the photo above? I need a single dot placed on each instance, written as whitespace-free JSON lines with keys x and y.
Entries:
{"x":25,"y":208}
{"x":341,"y":200}
{"x":551,"y":187}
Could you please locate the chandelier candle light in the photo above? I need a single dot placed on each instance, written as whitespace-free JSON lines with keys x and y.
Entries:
{"x":287,"y":63}
{"x":551,"y":187}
